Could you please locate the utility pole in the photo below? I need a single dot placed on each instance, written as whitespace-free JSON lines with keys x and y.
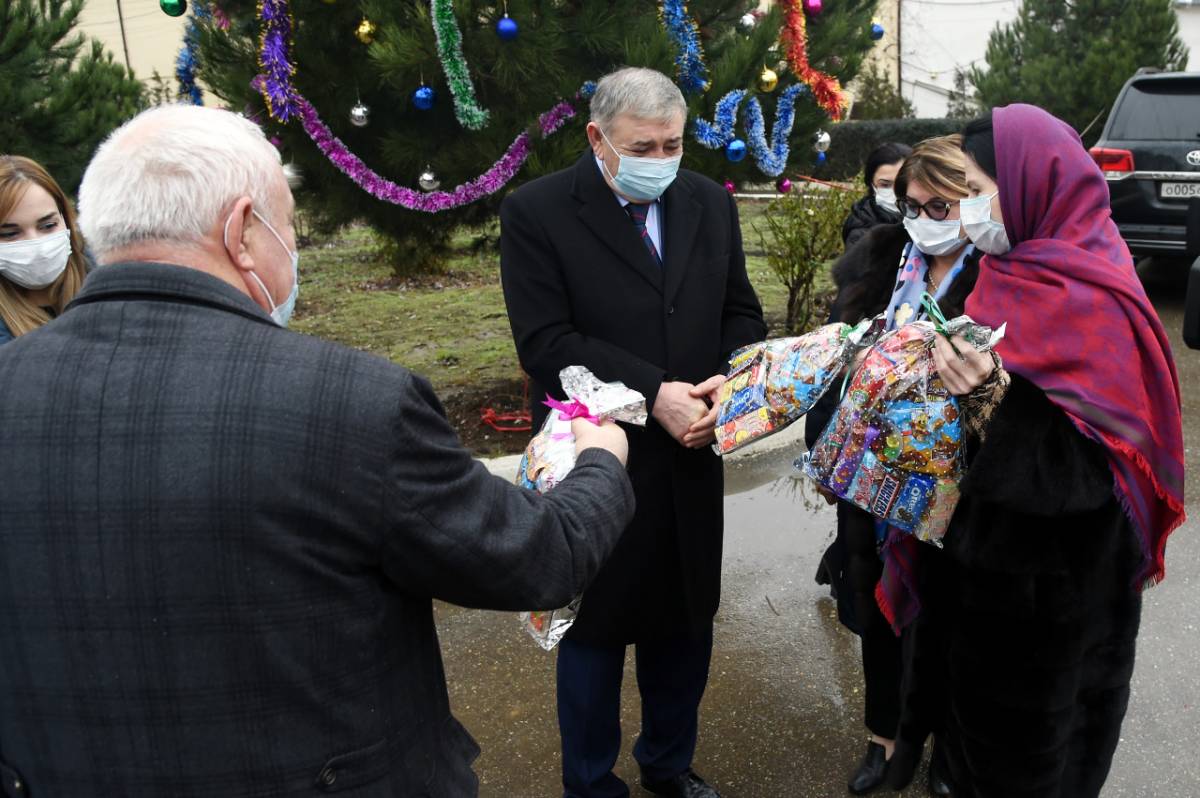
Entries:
{"x":124,"y":41}
{"x":899,"y":50}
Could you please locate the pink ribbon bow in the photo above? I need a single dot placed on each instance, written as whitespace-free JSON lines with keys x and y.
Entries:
{"x":569,"y":411}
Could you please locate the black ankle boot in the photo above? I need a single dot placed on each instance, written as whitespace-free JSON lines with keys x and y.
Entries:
{"x":871,"y":772}
{"x":939,"y":784}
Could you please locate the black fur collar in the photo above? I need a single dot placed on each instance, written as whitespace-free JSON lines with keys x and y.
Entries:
{"x":865,"y":276}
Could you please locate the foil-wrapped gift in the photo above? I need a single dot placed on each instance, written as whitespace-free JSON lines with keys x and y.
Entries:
{"x":772,"y":383}
{"x":550,"y":456}
{"x":895,"y":444}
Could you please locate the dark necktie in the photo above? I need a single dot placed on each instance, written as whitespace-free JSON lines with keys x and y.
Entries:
{"x":639,"y":212}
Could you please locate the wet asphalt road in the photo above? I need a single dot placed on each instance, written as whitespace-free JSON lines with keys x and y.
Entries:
{"x":783,"y":711}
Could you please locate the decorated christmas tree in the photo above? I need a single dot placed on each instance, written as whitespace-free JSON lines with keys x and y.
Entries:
{"x":417,"y":116}
{"x":60,"y":92}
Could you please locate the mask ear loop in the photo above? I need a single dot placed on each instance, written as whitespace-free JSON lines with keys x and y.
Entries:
{"x":257,"y":279}
{"x":603,"y":163}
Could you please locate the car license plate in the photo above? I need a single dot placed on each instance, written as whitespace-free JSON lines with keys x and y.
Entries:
{"x":1179,"y":190}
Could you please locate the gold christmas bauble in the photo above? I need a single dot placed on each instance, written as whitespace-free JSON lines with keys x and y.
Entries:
{"x":767,"y":79}
{"x":365,"y":31}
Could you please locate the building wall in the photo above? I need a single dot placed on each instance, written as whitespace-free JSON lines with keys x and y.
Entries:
{"x":940,"y":37}
{"x":152,"y":39}
{"x":1189,"y":31}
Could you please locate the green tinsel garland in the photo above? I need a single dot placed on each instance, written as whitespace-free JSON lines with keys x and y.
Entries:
{"x":449,"y":42}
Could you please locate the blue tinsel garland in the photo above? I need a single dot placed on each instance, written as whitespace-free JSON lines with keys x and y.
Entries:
{"x":185,"y":62}
{"x":770,"y":156}
{"x":693,"y":75}
{"x":719,"y":132}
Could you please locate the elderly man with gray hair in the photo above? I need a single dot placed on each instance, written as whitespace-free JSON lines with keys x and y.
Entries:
{"x":634,"y":268}
{"x":220,"y":539}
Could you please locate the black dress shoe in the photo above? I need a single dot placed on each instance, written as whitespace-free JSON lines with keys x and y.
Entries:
{"x":871,"y":772}
{"x":938,"y":783}
{"x":686,"y":785}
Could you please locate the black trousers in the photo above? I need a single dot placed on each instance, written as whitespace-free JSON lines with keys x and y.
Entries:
{"x":881,"y":650}
{"x":671,"y":675}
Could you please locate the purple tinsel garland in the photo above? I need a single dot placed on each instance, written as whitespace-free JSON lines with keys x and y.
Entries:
{"x":379,"y":187}
{"x":274,"y":51}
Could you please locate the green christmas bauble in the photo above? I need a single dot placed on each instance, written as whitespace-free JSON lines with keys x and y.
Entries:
{"x":173,"y":8}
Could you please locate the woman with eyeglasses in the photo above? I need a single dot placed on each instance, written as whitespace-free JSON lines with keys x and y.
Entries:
{"x":41,"y":252}
{"x":1074,"y":480}
{"x":888,"y":271}
{"x":878,"y":206}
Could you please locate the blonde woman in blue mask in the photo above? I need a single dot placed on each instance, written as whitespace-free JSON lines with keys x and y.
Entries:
{"x":888,"y":271}
{"x":41,"y":252}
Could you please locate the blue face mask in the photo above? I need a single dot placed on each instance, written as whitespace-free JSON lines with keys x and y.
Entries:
{"x":642,"y":179}
{"x":282,"y":314}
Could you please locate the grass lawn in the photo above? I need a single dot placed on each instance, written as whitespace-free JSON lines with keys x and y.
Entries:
{"x":451,"y":328}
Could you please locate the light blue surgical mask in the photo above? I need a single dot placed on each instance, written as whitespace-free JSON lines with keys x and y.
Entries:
{"x":642,"y":179}
{"x":282,"y":314}
{"x":986,"y":233}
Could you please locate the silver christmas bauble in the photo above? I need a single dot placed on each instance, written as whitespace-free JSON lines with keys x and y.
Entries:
{"x":360,"y":115}
{"x":428,"y":181}
{"x":821,"y":141}
{"x":747,"y":23}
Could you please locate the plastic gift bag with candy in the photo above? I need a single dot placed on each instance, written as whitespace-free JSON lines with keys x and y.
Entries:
{"x":772,"y":383}
{"x":894,"y":446}
{"x":550,"y":456}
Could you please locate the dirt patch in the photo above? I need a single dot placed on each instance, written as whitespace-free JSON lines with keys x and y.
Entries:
{"x":465,"y":408}
{"x":429,"y":282}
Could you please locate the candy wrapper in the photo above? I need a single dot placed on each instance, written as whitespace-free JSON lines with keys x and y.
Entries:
{"x":772,"y":383}
{"x":550,"y":456}
{"x":894,"y":446}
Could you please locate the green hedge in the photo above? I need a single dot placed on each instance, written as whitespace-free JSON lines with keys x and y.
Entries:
{"x":852,"y":142}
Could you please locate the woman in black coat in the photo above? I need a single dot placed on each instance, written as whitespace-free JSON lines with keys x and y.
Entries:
{"x":1024,"y":647}
{"x":879,"y":205}
{"x":930,"y":183}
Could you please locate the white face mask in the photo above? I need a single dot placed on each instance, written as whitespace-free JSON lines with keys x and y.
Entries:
{"x":36,"y":262}
{"x":986,"y":233}
{"x":933,"y":237}
{"x":885,"y":198}
{"x":282,"y":314}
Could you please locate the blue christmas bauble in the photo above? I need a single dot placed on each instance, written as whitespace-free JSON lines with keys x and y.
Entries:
{"x":506,"y":28}
{"x":821,"y":156}
{"x":423,"y":98}
{"x":735,"y":150}
{"x":876,"y":31}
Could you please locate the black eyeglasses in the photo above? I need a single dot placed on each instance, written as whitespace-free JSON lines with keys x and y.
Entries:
{"x":936,"y":209}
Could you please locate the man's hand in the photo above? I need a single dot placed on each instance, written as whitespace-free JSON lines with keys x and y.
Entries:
{"x":962,"y":371}
{"x":676,"y":410}
{"x":703,"y":431}
{"x":606,"y":436}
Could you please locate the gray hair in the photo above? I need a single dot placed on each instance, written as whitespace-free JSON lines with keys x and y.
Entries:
{"x":169,"y":173}
{"x":638,"y":92}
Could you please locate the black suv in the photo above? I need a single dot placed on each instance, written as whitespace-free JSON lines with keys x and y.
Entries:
{"x":1150,"y":153}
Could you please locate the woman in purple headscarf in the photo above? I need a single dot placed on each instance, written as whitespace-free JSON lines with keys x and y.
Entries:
{"x":1075,"y":478}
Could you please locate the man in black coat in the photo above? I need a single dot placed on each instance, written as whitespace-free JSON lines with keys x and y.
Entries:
{"x":219,"y":539}
{"x":625,"y":266}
